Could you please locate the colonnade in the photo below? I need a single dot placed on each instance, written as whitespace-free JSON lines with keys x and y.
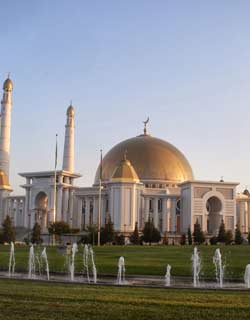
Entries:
{"x":243,"y":215}
{"x":16,"y":210}
{"x":88,"y":210}
{"x":164,"y":215}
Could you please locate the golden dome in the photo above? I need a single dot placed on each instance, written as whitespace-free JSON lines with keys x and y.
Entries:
{"x":125,"y":172}
{"x":70,"y":111}
{"x":8,"y":85}
{"x":4,"y":181}
{"x":154,"y":160}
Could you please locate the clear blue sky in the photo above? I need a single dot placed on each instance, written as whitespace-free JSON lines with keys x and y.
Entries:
{"x":185,"y":64}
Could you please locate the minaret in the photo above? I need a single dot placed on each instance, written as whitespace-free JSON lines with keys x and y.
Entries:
{"x":5,"y":127}
{"x":68,"y":153}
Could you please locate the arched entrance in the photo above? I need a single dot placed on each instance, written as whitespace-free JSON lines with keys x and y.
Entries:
{"x":214,"y":208}
{"x":41,"y":209}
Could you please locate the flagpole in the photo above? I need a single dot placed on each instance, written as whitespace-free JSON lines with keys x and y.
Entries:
{"x":99,"y":205}
{"x":54,"y":204}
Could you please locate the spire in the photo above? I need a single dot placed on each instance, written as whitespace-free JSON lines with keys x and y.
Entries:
{"x":145,"y":126}
{"x":68,"y":153}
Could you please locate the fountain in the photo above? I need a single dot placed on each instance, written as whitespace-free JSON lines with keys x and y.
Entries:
{"x":45,"y":259}
{"x":168,"y":276}
{"x":93,"y":265}
{"x":32,"y":264}
{"x":86,"y":260}
{"x":196,"y":267}
{"x":37,"y":258}
{"x":72,"y":263}
{"x":121,"y":271}
{"x":12,"y":261}
{"x":247,"y":276}
{"x":219,"y":268}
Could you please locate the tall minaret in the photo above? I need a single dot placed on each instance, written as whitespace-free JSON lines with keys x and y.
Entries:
{"x":68,"y":153}
{"x":5,"y":127}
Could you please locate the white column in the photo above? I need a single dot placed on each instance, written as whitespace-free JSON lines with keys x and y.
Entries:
{"x":12,"y":211}
{"x":242,"y":213}
{"x":246,"y":217}
{"x":173,"y":214}
{"x":156,"y":214}
{"x":103,"y":211}
{"x":164,"y":215}
{"x":79,"y":213}
{"x":95,"y":210}
{"x":146,"y":209}
{"x":17,"y":214}
{"x":71,"y":206}
{"x":65,"y":209}
{"x":87,"y":211}
{"x":59,"y":203}
{"x":26,"y":209}
{"x":248,"y":212}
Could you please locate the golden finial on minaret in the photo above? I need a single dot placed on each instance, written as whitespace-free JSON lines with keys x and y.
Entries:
{"x":145,"y":126}
{"x":8,"y":85}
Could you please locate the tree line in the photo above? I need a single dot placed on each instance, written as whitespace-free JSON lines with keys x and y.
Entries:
{"x":150,"y":234}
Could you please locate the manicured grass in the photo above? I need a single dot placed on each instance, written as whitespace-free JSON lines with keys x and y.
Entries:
{"x":35,"y":300}
{"x":142,"y":260}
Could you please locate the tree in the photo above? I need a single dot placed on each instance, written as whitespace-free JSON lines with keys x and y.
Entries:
{"x":238,"y":237}
{"x":119,"y":239}
{"x":198,"y":234}
{"x":222,"y":233}
{"x":36,"y":234}
{"x":93,"y":234}
{"x":107,"y":232}
{"x":150,"y":233}
{"x":135,"y":238}
{"x":228,"y":237}
{"x":59,"y":228}
{"x":248,"y":238}
{"x":8,"y":230}
{"x":190,"y":239}
{"x":183,"y":239}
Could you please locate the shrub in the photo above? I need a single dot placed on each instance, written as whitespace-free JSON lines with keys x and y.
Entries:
{"x":198,"y":234}
{"x":183,"y":239}
{"x":238,"y":237}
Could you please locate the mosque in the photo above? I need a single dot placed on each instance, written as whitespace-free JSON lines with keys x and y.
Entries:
{"x":138,"y":178}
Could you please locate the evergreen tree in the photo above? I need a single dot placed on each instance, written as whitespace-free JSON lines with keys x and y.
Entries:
{"x":36,"y":234}
{"x":150,"y":233}
{"x":238,"y":237}
{"x":58,"y":228}
{"x":8,"y":230}
{"x":119,"y":239}
{"x":108,"y":233}
{"x":198,"y":234}
{"x":222,"y":233}
{"x":92,"y":237}
{"x":183,"y":239}
{"x":229,"y":237}
{"x":190,"y":239}
{"x":135,"y":238}
{"x":248,"y":238}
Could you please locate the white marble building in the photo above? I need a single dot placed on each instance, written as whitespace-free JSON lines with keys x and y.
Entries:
{"x":141,"y":177}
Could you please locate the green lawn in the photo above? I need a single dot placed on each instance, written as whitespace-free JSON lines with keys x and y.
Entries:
{"x":35,"y":300}
{"x":142,"y":260}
